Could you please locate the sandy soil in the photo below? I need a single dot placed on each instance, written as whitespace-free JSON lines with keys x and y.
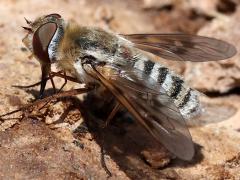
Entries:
{"x":53,"y":145}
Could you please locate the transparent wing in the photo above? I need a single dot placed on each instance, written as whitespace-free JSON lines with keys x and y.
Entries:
{"x":149,"y":104}
{"x":212,"y":112}
{"x":182,"y":47}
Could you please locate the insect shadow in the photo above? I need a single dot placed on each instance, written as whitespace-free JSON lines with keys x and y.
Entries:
{"x":123,"y":140}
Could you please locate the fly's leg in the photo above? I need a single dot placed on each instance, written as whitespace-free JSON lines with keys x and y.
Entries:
{"x":72,"y":92}
{"x":28,"y":86}
{"x":112,"y":114}
{"x":53,"y":74}
{"x":42,"y":88}
{"x":61,"y":74}
{"x":93,"y":62}
{"x":52,"y":82}
{"x":103,"y":163}
{"x":90,"y":60}
{"x":65,"y":81}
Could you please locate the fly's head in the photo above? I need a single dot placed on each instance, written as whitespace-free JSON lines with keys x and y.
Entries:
{"x":39,"y":35}
{"x":42,"y":39}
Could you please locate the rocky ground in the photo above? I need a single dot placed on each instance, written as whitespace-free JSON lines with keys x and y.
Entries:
{"x":50,"y":144}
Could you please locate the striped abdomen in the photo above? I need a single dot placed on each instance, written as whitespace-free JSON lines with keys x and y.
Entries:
{"x":185,"y":98}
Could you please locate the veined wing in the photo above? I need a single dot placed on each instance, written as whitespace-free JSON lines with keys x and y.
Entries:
{"x":183,"y":47}
{"x":149,"y":104}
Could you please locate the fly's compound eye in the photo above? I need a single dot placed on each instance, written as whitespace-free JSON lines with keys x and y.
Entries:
{"x":41,"y":40}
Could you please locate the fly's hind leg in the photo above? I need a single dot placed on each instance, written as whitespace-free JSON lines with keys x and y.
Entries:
{"x":112,"y":114}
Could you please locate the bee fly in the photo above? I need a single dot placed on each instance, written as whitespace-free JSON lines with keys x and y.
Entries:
{"x":156,"y":97}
